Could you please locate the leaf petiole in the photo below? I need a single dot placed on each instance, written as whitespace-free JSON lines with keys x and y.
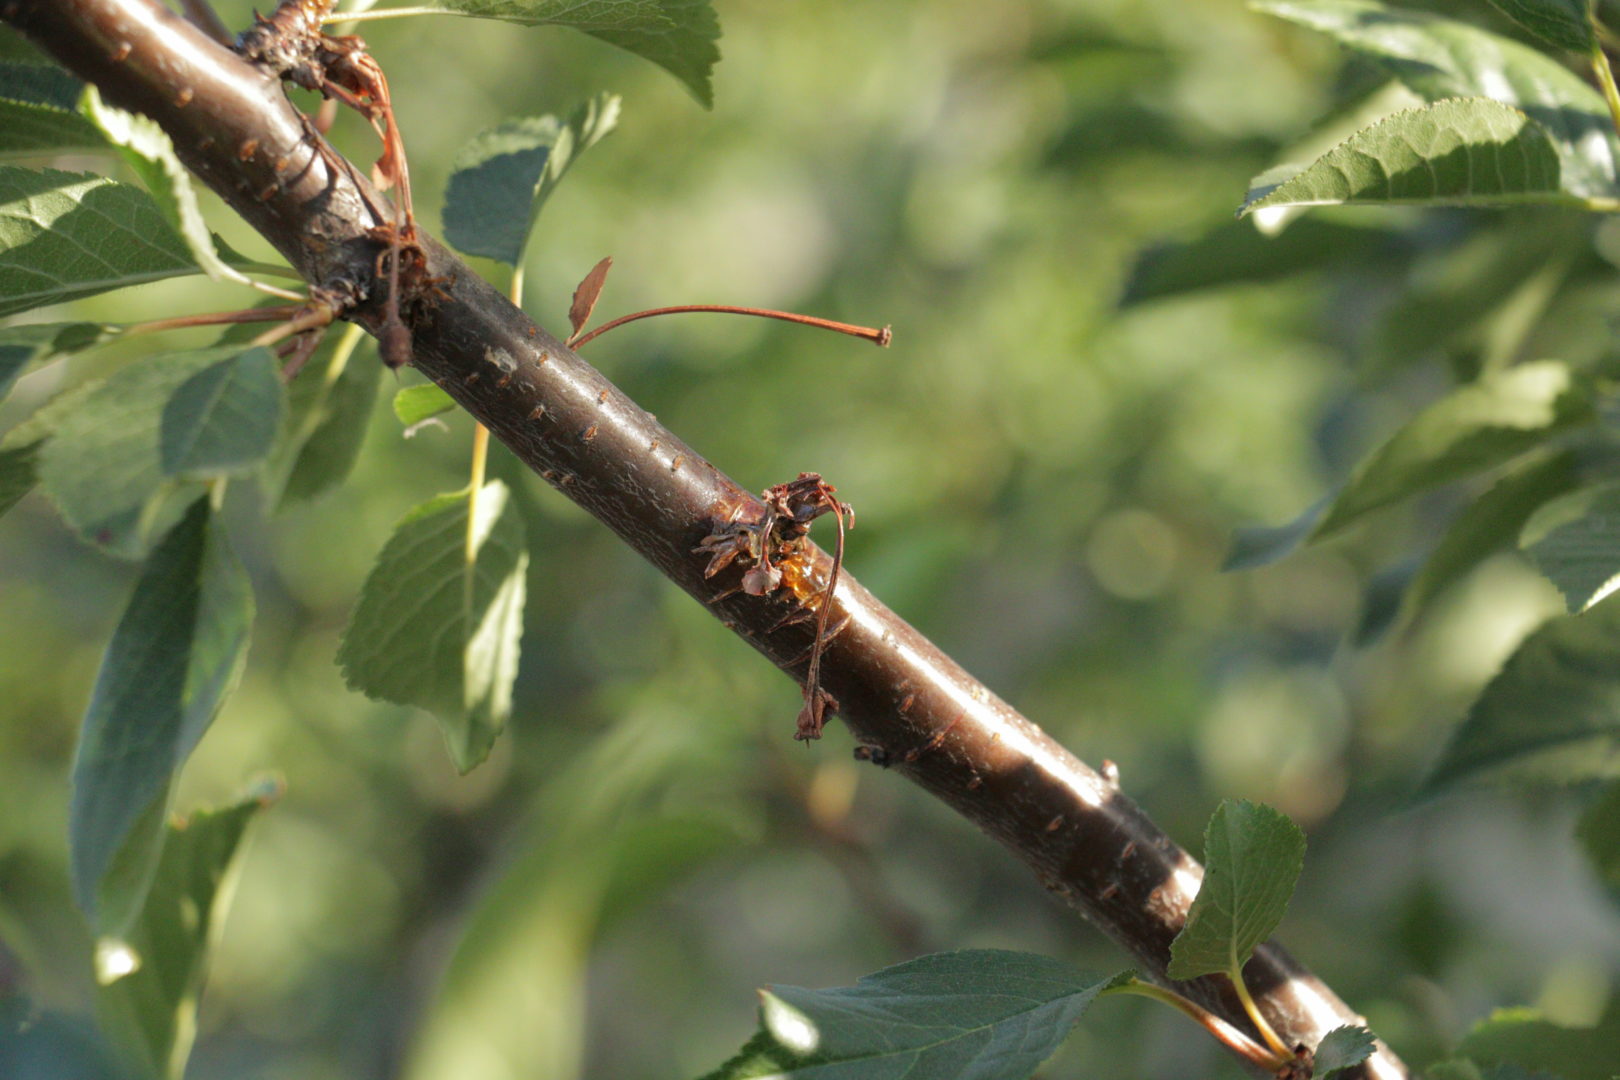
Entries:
{"x":1605,"y":78}
{"x":879,"y":337}
{"x":1266,"y":1031}
{"x":1223,"y":1032}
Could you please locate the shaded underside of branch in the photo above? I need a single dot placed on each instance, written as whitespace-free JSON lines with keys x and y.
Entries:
{"x":905,"y":701}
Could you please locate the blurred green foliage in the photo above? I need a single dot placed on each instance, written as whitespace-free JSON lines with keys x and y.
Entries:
{"x":1047,"y":482}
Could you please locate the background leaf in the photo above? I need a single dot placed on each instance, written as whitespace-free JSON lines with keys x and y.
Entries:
{"x":103,"y":467}
{"x":1565,"y":23}
{"x":1575,"y":541}
{"x":65,"y":235}
{"x":1461,"y":152}
{"x":224,"y":418}
{"x":176,"y":654}
{"x":151,"y":1013}
{"x":414,"y":404}
{"x":22,"y":346}
{"x":1252,"y":858}
{"x":18,"y":473}
{"x":1490,"y":523}
{"x":1599,"y":833}
{"x":1262,"y":545}
{"x":677,"y":35}
{"x":328,"y":411}
{"x":434,"y":630}
{"x":1522,"y":1038}
{"x":1441,"y":58}
{"x":977,"y":1014}
{"x":1475,"y":427}
{"x":503,"y":176}
{"x":1552,"y":711}
{"x":619,"y":821}
{"x":38,"y":112}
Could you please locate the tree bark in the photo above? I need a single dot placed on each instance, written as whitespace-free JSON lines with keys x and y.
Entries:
{"x":910,"y":705}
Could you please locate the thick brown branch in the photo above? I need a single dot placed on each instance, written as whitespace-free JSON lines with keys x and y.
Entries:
{"x":908,"y":704}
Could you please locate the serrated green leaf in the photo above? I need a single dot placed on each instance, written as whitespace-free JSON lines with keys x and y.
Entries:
{"x":1342,"y":1048}
{"x":1489,"y":524}
{"x":677,"y":35}
{"x":1252,"y":857}
{"x":1599,"y":834}
{"x":1442,"y":58}
{"x":1473,"y":428}
{"x":37,"y":112}
{"x":1575,"y":541}
{"x":147,"y":149}
{"x":176,"y":654}
{"x":104,"y":465}
{"x":1565,"y":23}
{"x":18,"y":473}
{"x":224,"y":418}
{"x":67,"y":235}
{"x":502,"y":177}
{"x":23,"y":346}
{"x":438,"y":626}
{"x":1521,"y":1038}
{"x":977,"y":1014}
{"x":1552,"y":712}
{"x":607,"y":833}
{"x":1459,"y":152}
{"x":328,"y":410}
{"x":151,"y":1013}
{"x":415,"y":404}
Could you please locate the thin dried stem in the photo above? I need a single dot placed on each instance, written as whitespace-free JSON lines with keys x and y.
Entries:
{"x":880,"y":337}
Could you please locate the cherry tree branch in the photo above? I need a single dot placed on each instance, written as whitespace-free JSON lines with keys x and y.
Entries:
{"x":909,"y":706}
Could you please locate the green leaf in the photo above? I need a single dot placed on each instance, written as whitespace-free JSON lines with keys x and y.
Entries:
{"x":151,"y":1013}
{"x":1475,"y":427}
{"x":415,"y":404}
{"x":223,"y":419}
{"x":439,"y":627}
{"x":1461,"y":152}
{"x":147,"y":149}
{"x":176,"y":654}
{"x":1489,"y":524}
{"x":1520,"y":1037}
{"x":104,"y":465}
{"x":1599,"y":833}
{"x":18,"y":474}
{"x":1575,"y":541}
{"x":1342,"y":1048}
{"x":1565,"y":23}
{"x":23,"y":346}
{"x":502,"y":177}
{"x":1441,"y":58}
{"x":66,"y":235}
{"x":1252,"y":858}
{"x":328,"y":410}
{"x":677,"y":35}
{"x":977,"y":1014}
{"x":37,"y":112}
{"x":1552,"y":712}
